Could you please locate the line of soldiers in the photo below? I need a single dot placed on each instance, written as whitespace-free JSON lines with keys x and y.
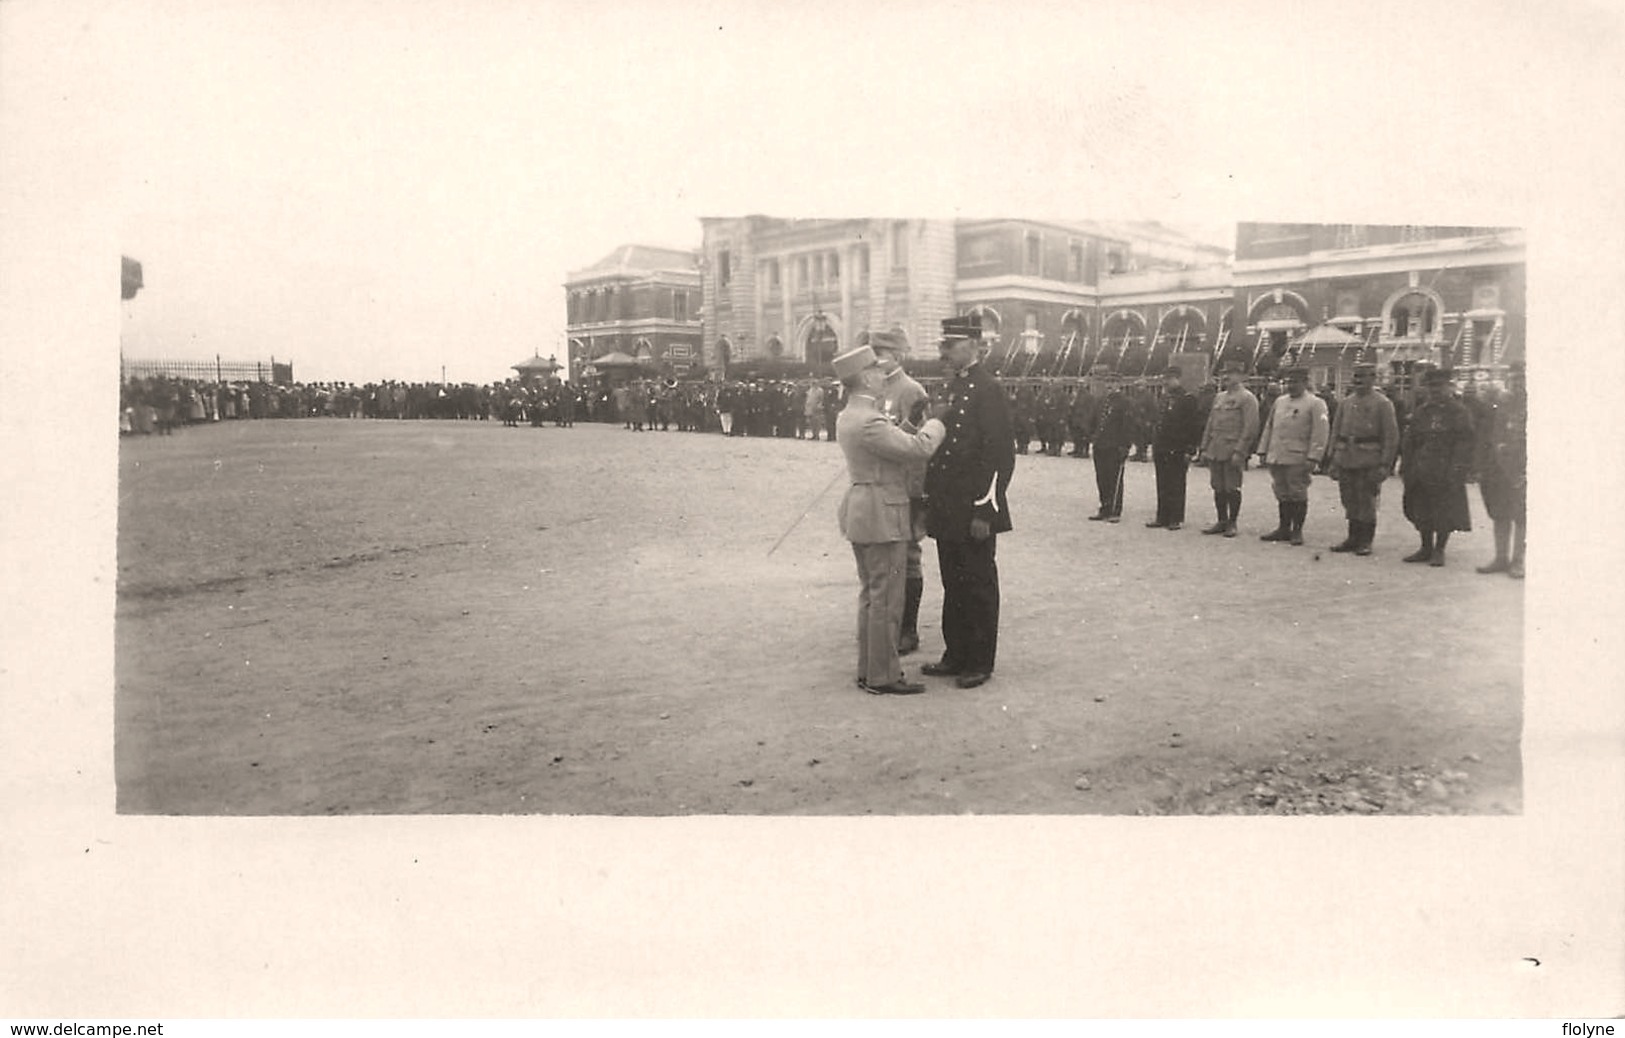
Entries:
{"x":1444,"y":442}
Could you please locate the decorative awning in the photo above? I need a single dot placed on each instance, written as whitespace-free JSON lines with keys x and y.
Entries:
{"x":614,"y":359}
{"x":536,"y":363}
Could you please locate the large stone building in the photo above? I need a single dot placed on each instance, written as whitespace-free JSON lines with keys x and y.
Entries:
{"x":795,"y":292}
{"x":640,"y":300}
{"x":1452,"y":296}
{"x":1062,"y":298}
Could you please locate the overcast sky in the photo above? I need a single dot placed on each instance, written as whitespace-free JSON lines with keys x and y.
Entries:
{"x":374,"y":190}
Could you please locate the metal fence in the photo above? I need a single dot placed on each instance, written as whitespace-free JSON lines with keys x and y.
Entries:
{"x":215,"y":370}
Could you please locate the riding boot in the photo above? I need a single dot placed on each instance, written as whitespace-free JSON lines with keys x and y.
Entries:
{"x":1300,"y":512}
{"x":1438,"y":548}
{"x":1352,"y":541}
{"x":1221,"y":504}
{"x":1368,"y":533}
{"x":1235,"y":513}
{"x":1425,"y":552}
{"x":908,"y":638}
{"x":1283,"y":529}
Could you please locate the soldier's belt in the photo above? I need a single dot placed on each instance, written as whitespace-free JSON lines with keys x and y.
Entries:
{"x":1359,"y":439}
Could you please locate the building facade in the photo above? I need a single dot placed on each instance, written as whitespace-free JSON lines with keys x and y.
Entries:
{"x":796,"y":292}
{"x":1065,"y":298}
{"x":1450,"y":296}
{"x":799,"y":291}
{"x":640,"y":300}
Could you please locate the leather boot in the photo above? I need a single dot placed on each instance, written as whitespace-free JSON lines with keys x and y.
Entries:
{"x":1350,"y":542}
{"x":1515,"y":569}
{"x":1300,"y":512}
{"x":1425,"y":552}
{"x":1368,"y":533}
{"x":1235,"y":513}
{"x":1283,"y":529}
{"x":1503,"y":539}
{"x":908,"y":639}
{"x":1221,"y":504}
{"x":1437,"y":558}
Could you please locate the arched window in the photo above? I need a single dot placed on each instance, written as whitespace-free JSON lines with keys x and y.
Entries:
{"x":1414,"y":315}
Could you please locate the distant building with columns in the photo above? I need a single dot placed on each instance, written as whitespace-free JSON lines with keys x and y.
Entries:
{"x":801,"y":290}
{"x":1064,"y":298}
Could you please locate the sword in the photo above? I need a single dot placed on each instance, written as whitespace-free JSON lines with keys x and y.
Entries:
{"x":833,"y":480}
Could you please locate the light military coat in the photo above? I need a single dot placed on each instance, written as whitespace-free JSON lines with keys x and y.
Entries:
{"x":1232,"y":425}
{"x":878,"y":458}
{"x":1296,"y":432}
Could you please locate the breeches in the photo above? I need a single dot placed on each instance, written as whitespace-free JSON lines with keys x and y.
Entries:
{"x":1224,"y":475}
{"x":916,"y":520}
{"x":1291,"y":482}
{"x":1503,"y":501}
{"x":1360,"y":489}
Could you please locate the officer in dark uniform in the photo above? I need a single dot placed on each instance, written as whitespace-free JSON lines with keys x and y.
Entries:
{"x":1022,"y":412}
{"x":1178,"y":434}
{"x":1115,"y":433}
{"x":1080,"y":420}
{"x":965,"y":506}
{"x":1437,"y":457}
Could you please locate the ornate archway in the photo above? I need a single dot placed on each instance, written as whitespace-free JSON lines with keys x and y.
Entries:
{"x":818,"y":339}
{"x":1421,"y":311}
{"x":1182,"y":329}
{"x":1123,"y":341}
{"x":1278,"y":316}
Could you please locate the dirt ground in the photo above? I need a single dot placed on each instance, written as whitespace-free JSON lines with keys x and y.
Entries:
{"x":342,"y":617}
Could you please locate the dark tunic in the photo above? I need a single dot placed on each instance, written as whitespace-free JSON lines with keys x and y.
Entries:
{"x":1438,"y":454}
{"x":977,"y":456}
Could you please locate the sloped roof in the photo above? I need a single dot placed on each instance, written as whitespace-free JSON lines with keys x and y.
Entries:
{"x":1327,"y":335}
{"x":537,"y":363}
{"x":644,"y":258}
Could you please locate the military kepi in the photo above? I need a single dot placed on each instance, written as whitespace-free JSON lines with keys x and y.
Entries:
{"x":964,"y":327}
{"x":888,"y":341}
{"x":1433,"y":376}
{"x":853,"y":361}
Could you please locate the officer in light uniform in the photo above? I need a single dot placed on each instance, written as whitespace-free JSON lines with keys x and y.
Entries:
{"x":1227,"y":439}
{"x":874,"y":513}
{"x":1365,"y":441}
{"x":1293,"y":443}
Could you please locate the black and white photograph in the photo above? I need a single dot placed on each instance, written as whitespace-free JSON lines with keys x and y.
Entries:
{"x":1031,"y":501}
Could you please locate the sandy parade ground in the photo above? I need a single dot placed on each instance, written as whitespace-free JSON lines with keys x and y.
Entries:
{"x":326,"y":616}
